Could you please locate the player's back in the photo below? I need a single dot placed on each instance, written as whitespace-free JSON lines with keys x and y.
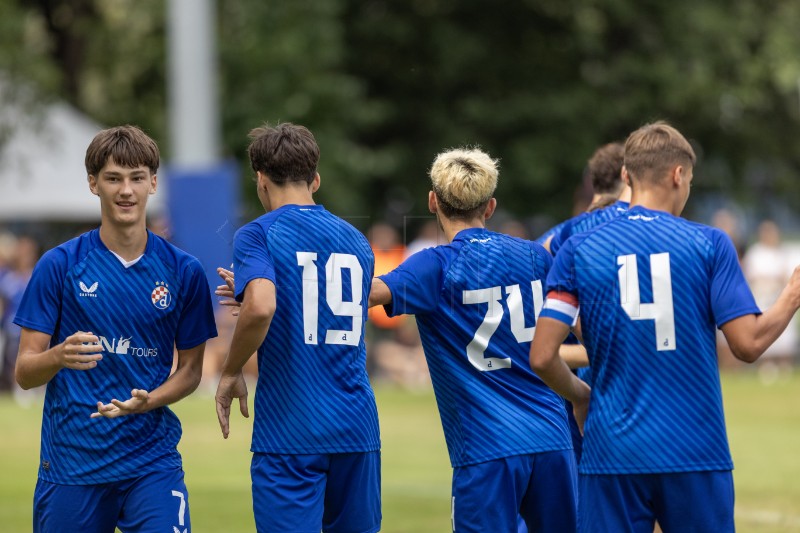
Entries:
{"x":586,"y":222}
{"x":313,"y":394}
{"x":652,"y":288}
{"x":476,"y":335}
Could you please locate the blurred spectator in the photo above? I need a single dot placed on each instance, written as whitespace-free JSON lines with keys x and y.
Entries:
{"x":394,"y":349}
{"x":13,"y":282}
{"x":768,"y":266}
{"x":725,"y":220}
{"x":430,"y":235}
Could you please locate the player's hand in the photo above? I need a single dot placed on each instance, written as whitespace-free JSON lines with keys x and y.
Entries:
{"x":227,"y":290}
{"x":136,"y":404}
{"x":230,"y":387}
{"x":80,"y":351}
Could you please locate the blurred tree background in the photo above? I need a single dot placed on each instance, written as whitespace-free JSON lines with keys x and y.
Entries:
{"x":385,"y":85}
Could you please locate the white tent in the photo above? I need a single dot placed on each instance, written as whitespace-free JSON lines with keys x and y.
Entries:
{"x":42,"y":172}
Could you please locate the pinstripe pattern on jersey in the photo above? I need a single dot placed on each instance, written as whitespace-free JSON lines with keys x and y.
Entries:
{"x":77,"y":449}
{"x":311,"y":398}
{"x":652,"y":411}
{"x":485,"y":414}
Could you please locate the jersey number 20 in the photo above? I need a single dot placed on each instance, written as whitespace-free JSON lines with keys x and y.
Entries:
{"x":333,"y":295}
{"x":661,"y":310}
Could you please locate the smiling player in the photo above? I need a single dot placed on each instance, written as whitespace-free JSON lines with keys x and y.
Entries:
{"x":101,"y":318}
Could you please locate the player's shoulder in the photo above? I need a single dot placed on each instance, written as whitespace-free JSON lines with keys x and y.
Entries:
{"x":173,"y":256}
{"x":71,"y":252}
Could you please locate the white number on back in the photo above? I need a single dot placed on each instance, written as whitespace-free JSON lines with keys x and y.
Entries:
{"x":661,"y":310}
{"x":494,"y":315}
{"x":333,"y":295}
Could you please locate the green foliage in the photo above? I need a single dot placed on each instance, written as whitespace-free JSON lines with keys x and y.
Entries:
{"x":385,"y":85}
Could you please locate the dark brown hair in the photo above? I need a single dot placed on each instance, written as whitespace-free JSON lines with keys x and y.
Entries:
{"x":605,"y":169}
{"x":284,"y":153}
{"x":128,"y":145}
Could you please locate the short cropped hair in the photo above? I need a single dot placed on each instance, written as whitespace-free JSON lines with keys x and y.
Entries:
{"x":284,"y":153}
{"x":605,"y":169}
{"x":654,"y":149}
{"x":464,"y":180}
{"x":128,"y":145}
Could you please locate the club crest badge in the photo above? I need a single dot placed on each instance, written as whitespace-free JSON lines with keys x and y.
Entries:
{"x":161,"y":297}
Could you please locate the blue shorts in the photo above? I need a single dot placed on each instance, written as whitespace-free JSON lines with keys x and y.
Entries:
{"x":687,"y":501}
{"x":335,"y":493}
{"x":541,"y":488}
{"x":154,"y":503}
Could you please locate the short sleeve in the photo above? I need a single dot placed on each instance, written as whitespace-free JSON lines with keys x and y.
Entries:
{"x":730,"y":295}
{"x":561,"y":291}
{"x":415,"y":285}
{"x":41,"y":303}
{"x":251,"y":259}
{"x":196,"y":324}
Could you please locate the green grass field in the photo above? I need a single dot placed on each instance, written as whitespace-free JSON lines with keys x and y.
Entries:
{"x":763,"y":422}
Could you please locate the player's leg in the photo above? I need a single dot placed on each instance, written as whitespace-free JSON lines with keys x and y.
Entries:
{"x":618,"y":503}
{"x":487,"y":496}
{"x":353,"y":493}
{"x":696,"y":501}
{"x":551,"y":499}
{"x":74,"y":508}
{"x":155,"y":503}
{"x":288,"y":492}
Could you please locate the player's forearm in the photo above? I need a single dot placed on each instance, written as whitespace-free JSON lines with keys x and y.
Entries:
{"x":379,"y":294}
{"x":179,"y":385}
{"x":248,"y":335}
{"x":556,"y":374}
{"x":35,"y":369}
{"x":574,"y":355}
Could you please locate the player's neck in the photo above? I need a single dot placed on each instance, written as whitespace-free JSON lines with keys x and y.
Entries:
{"x":128,"y":242}
{"x":655,"y":199}
{"x":278,"y":197}
{"x":451,"y":227}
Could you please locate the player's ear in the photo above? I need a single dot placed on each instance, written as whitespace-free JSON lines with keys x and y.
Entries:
{"x":490,"y":207}
{"x":153,"y":183}
{"x":626,"y":179}
{"x":433,"y":206}
{"x":677,"y":176}
{"x":314,"y":186}
{"x":93,"y":184}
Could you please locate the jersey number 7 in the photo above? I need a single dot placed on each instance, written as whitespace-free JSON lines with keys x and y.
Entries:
{"x":494,"y":314}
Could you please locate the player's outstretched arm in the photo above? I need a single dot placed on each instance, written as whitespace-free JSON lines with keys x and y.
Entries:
{"x":379,"y":294}
{"x":548,"y":365}
{"x":750,"y":335}
{"x":255,"y":316}
{"x":37,"y":363}
{"x":179,"y":385}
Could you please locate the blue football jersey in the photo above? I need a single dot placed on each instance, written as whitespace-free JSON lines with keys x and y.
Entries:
{"x":476,"y":301}
{"x":585,"y":222}
{"x":313,"y":394}
{"x":140,"y":314}
{"x":652,"y":288}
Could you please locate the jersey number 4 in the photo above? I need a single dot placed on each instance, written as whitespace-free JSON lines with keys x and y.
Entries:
{"x":661,"y":310}
{"x":494,"y":314}
{"x":333,"y":296}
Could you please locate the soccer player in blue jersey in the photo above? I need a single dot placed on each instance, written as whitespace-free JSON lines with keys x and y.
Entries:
{"x":476,"y":302}
{"x":303,"y":279}
{"x":652,"y":289}
{"x":611,"y":195}
{"x":101,"y":319}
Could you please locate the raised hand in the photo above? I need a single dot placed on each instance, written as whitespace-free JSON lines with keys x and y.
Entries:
{"x":227,"y":290}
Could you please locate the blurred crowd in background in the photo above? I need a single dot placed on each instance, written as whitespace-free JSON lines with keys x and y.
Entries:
{"x":394,"y":350}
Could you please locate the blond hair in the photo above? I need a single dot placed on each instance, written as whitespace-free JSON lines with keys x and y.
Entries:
{"x":464,"y":180}
{"x":654,"y":149}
